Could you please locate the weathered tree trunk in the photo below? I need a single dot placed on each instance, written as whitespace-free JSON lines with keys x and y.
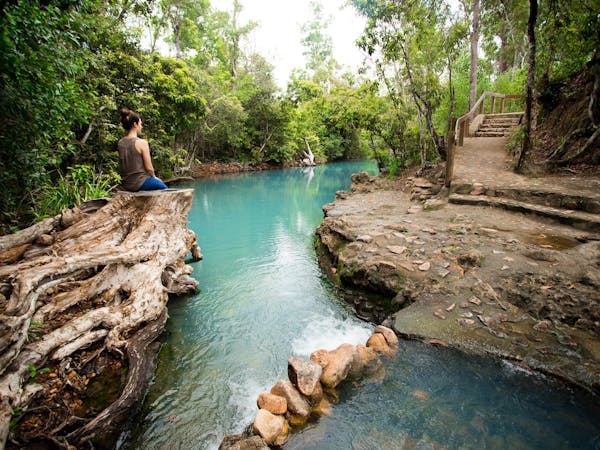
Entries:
{"x":100,"y":278}
{"x":474,"y":54}
{"x":309,"y":157}
{"x":527,"y":142}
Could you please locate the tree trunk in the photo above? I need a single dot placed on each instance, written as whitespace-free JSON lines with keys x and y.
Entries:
{"x":474,"y":55}
{"x":309,"y":157}
{"x":527,"y":142}
{"x":90,"y":277}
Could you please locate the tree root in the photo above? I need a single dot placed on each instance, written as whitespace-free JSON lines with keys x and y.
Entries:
{"x":98,"y":276}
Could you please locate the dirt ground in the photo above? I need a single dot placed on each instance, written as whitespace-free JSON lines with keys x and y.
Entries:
{"x":482,"y":279}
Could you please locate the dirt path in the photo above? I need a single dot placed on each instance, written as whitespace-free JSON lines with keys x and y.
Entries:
{"x":482,"y":279}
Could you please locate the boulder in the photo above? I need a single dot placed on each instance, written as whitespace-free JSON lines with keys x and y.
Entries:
{"x":320,"y":357}
{"x":316,"y":396}
{"x":296,"y":403}
{"x":323,"y":408}
{"x":295,"y":420}
{"x":388,"y":334}
{"x":240,"y":442}
{"x":272,"y":428}
{"x":275,"y":404}
{"x":304,"y":374}
{"x":340,"y":361}
{"x":378,"y":343}
{"x":371,"y":361}
{"x":356,"y":367}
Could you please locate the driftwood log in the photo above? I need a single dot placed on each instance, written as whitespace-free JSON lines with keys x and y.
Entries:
{"x":96,"y":276}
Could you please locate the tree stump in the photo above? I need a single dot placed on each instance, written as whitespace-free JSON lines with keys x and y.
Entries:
{"x":94,"y":277}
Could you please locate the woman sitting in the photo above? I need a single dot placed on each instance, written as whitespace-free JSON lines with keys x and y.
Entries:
{"x":137,"y":172}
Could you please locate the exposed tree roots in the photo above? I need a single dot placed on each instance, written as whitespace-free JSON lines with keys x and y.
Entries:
{"x":93,"y":280}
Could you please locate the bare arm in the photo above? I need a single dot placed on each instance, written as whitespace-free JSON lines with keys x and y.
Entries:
{"x":142,"y":146}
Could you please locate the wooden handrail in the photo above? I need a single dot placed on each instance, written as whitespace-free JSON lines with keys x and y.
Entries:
{"x":463,"y":121}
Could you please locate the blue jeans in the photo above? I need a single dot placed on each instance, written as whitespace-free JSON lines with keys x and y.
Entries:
{"x":152,"y":184}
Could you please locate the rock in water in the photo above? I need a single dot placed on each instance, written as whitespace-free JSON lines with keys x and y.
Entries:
{"x":296,"y":403}
{"x":304,"y":374}
{"x":272,"y":428}
{"x":338,"y":366}
{"x":273,"y":403}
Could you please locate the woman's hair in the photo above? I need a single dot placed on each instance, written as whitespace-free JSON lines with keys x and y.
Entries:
{"x":128,"y":117}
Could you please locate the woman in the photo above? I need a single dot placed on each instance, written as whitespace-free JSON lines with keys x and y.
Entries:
{"x":137,"y":172}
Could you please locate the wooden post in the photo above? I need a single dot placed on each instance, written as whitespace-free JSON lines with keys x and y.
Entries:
{"x":482,"y":106}
{"x":502,"y":105}
{"x":461,"y":133}
{"x":450,"y":158}
{"x":493,"y":103}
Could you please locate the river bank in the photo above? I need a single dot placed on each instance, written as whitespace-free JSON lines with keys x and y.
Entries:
{"x":483,"y":280}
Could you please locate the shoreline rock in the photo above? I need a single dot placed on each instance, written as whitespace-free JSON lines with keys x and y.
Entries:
{"x":310,"y":391}
{"x":485,"y":281}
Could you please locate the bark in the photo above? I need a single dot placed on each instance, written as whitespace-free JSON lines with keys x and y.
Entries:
{"x":424,"y":106}
{"x":309,"y":157}
{"x":91,"y":277}
{"x":474,"y":55}
{"x":527,"y":142}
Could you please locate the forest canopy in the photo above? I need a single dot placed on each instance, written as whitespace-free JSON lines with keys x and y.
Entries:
{"x":67,"y":65}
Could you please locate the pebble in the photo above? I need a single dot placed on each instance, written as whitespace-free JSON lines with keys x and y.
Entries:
{"x":451,"y":307}
{"x":443,"y":273}
{"x":397,"y":249}
{"x":425,"y":266}
{"x":475,"y":301}
{"x":466,"y":322}
{"x":439,"y":314}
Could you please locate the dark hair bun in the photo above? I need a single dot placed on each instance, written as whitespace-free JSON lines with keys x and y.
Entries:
{"x":128,"y":117}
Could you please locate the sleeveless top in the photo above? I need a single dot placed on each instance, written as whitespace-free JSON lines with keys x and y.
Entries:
{"x":133,"y":173}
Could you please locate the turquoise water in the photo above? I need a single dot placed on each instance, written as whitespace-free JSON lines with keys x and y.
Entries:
{"x":436,"y":398}
{"x":263,"y":299}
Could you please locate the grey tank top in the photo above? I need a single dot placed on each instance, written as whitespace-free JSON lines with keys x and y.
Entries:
{"x":133,"y":173}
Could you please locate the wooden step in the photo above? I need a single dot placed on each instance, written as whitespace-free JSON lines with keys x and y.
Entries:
{"x":576,"y":219}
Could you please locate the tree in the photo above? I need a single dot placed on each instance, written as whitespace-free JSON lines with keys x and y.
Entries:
{"x":527,"y":142}
{"x":474,"y":53}
{"x":412,"y":35}
{"x":318,"y":46}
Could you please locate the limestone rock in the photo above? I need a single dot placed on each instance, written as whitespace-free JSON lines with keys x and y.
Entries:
{"x":316,"y":396}
{"x":324,"y":408}
{"x":304,"y":374}
{"x":320,"y":357}
{"x":272,"y":428}
{"x":239,"y":442}
{"x":388,"y":334}
{"x":339,"y":364}
{"x":273,"y":403}
{"x":356,"y":367}
{"x":296,"y":420}
{"x":296,"y":403}
{"x":378,"y":343}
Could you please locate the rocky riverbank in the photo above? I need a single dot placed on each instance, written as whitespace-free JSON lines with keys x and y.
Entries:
{"x":480,"y":279}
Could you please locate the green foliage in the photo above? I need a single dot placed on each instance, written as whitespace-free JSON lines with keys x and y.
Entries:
{"x":66,"y":67}
{"x":80,"y":185}
{"x":34,"y":372}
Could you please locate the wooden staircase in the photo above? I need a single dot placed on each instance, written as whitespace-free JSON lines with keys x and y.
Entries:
{"x":498,"y":125}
